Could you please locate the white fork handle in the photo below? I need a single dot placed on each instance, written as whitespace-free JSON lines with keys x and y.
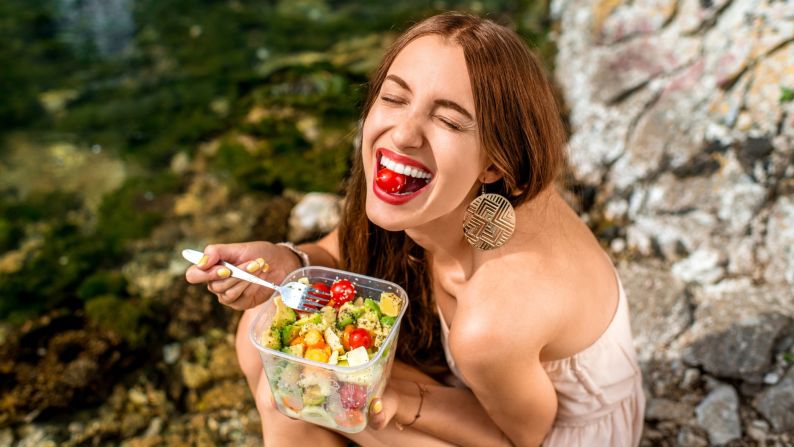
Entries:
{"x":195,"y":256}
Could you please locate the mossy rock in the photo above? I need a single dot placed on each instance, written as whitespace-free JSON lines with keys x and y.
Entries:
{"x":130,"y":320}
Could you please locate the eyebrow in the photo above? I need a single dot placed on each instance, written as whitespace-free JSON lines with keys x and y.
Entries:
{"x":440,"y":102}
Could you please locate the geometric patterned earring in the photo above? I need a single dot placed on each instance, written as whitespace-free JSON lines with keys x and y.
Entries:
{"x":489,"y":221}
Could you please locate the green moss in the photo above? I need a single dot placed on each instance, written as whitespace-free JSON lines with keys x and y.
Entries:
{"x":132,"y":211}
{"x":786,"y":94}
{"x":9,"y":234}
{"x":130,"y":320}
{"x":110,"y":282}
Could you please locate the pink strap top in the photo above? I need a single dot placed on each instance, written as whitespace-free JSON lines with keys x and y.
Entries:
{"x":592,"y":382}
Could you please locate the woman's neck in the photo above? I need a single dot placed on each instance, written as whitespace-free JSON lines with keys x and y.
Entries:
{"x":443,"y":238}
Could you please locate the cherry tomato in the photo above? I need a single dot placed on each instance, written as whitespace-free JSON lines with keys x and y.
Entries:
{"x":390,"y":181}
{"x":342,"y":291}
{"x":352,"y":395}
{"x":360,"y":337}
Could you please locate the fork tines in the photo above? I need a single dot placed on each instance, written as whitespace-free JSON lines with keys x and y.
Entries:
{"x":314,"y":297}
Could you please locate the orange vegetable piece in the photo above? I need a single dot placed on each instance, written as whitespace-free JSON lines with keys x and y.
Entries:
{"x":314,"y":339}
{"x":345,"y":338}
{"x":297,"y":341}
{"x":317,"y":354}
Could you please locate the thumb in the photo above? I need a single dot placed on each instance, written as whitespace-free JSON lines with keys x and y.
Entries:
{"x":382,"y":409}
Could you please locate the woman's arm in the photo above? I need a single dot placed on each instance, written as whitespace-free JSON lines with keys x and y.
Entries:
{"x":269,"y":261}
{"x":449,"y":416}
{"x":324,"y":252}
{"x":518,"y":396}
{"x":498,"y":352}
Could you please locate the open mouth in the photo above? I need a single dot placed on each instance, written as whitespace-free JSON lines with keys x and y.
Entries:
{"x":399,"y":177}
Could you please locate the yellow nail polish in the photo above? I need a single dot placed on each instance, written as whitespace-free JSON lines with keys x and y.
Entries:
{"x":253,"y":266}
{"x":203,"y":261}
{"x":377,"y":406}
{"x":224,"y":273}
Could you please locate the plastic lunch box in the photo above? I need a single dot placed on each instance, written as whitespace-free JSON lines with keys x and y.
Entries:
{"x":333,"y":396}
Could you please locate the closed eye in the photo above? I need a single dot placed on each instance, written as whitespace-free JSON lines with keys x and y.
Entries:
{"x":391,"y":99}
{"x":450,"y":124}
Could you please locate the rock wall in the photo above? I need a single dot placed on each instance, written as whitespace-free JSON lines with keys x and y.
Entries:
{"x":682,"y":120}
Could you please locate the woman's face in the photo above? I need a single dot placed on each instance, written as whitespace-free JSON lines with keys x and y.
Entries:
{"x":423,"y":120}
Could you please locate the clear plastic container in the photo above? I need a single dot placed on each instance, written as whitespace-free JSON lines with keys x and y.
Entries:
{"x":333,"y":396}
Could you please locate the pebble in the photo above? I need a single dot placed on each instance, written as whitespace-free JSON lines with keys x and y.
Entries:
{"x":691,"y":378}
{"x":771,"y":378}
{"x":758,"y":430}
{"x":171,"y":353}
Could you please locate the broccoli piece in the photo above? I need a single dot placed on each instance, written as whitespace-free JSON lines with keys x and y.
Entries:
{"x":348,"y":313}
{"x":315,"y":318}
{"x":311,"y":326}
{"x":380,"y":337}
{"x":284,"y":315}
{"x":329,"y":315}
{"x":288,"y":333}
{"x":271,"y":339}
{"x":369,"y":320}
{"x":387,"y":320}
{"x":370,"y":304}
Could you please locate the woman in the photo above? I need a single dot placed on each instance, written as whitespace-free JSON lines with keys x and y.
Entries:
{"x":533,"y":323}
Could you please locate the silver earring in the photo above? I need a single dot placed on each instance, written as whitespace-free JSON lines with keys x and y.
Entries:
{"x":489,"y":221}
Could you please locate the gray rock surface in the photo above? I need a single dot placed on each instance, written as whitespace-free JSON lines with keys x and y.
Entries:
{"x":741,"y":352}
{"x":679,"y":123}
{"x":777,"y":403}
{"x":666,"y":410}
{"x":658,"y":306}
{"x":719,"y":415}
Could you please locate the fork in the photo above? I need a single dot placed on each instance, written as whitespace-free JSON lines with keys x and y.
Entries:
{"x":294,"y":294}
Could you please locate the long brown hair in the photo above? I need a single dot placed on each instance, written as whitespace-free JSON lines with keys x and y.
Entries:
{"x":521,"y":132}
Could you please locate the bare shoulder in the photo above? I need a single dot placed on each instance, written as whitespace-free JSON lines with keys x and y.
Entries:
{"x":509,"y":299}
{"x":555,"y":303}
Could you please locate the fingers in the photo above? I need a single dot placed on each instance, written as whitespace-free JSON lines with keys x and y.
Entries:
{"x":250,"y":257}
{"x":233,"y":293}
{"x":234,"y":253}
{"x":195,"y":275}
{"x":382,"y":409}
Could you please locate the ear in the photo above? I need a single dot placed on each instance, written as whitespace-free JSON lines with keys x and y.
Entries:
{"x":490,"y":174}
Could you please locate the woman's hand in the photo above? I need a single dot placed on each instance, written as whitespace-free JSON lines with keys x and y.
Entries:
{"x":401,"y":401}
{"x":382,"y":409}
{"x":264,"y":259}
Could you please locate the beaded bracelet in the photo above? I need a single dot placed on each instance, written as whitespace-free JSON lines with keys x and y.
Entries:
{"x":302,"y":255}
{"x":422,"y":391}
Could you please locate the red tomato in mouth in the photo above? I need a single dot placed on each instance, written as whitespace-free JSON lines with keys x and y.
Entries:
{"x":342,"y":291}
{"x":360,"y":337}
{"x":390,"y":181}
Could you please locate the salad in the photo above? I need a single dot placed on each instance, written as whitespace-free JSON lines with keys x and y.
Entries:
{"x":348,"y":332}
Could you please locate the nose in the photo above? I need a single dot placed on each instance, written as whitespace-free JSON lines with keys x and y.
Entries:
{"x":408,"y":133}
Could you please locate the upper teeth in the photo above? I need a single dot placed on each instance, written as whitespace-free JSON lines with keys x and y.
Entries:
{"x":400,"y":168}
